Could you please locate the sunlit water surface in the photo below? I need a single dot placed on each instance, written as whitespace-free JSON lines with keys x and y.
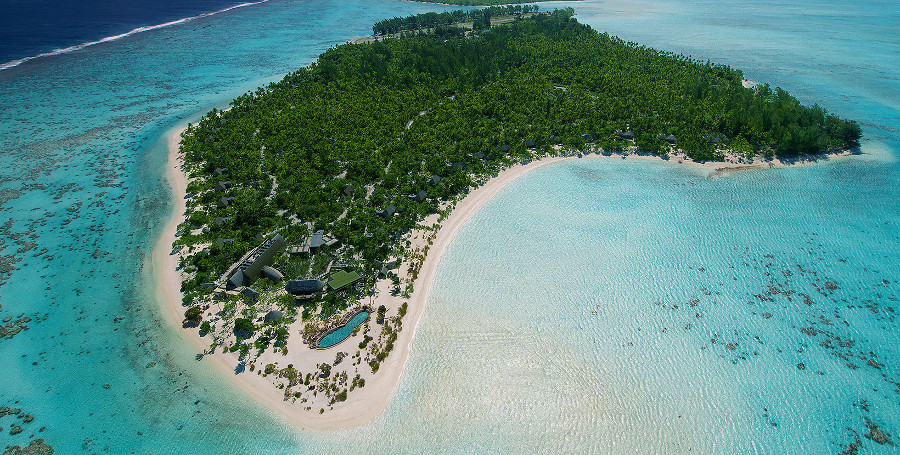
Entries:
{"x":598,"y":305}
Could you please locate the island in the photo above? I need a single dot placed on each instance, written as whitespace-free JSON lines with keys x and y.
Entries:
{"x":481,"y":2}
{"x":316,"y":209}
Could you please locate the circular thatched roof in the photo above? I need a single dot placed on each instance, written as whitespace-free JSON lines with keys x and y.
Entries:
{"x":273,"y":316}
{"x":299,"y":287}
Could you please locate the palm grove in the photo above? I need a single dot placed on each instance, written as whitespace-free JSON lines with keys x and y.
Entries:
{"x":369,"y":126}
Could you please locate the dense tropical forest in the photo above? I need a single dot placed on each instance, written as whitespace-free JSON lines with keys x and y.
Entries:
{"x":479,"y":2}
{"x":480,"y":18}
{"x":373,"y":137}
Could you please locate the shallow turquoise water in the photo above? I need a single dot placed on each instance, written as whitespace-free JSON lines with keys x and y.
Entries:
{"x":609,"y":257}
{"x":341,"y":333}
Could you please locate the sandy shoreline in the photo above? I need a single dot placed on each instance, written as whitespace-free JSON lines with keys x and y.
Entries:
{"x":360,"y":407}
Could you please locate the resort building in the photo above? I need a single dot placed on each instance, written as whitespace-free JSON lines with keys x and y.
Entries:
{"x":224,"y":202}
{"x":390,"y":210}
{"x":272,"y":273}
{"x":313,"y":242}
{"x":418,"y":197}
{"x":273,"y":316}
{"x":387,"y":267}
{"x":250,"y":293}
{"x":304,"y":289}
{"x":221,"y":242}
{"x":670,"y":138}
{"x":624,"y":134}
{"x":251,"y":267}
{"x":342,"y":279}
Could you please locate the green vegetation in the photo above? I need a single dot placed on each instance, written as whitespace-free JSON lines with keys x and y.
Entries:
{"x":193,"y":315}
{"x":373,"y":137}
{"x":390,"y":114}
{"x":480,"y":18}
{"x":243,"y":326}
{"x":479,"y":2}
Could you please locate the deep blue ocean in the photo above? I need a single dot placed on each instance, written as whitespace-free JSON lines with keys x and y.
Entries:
{"x":653,"y":309}
{"x":29,"y":28}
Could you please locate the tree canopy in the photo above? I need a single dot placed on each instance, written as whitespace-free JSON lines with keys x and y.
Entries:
{"x":432,"y":19}
{"x":368,"y":126}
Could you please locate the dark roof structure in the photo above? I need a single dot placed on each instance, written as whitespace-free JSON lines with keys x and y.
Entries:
{"x":670,"y":138}
{"x":273,"y":316}
{"x":301,"y":287}
{"x":433,"y":179}
{"x":529,"y":143}
{"x":386,"y":267}
{"x":261,"y":256}
{"x":315,"y":240}
{"x":624,"y":134}
{"x":222,"y":186}
{"x":224,"y":202}
{"x":272,"y":273}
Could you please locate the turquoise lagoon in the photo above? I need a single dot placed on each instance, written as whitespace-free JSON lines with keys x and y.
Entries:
{"x":652,"y":309}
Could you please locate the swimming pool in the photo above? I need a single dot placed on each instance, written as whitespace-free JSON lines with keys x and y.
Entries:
{"x":341,"y":333}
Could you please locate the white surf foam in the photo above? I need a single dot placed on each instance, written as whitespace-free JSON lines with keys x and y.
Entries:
{"x":78,"y":47}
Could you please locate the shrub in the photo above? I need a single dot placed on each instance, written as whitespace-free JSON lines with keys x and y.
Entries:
{"x":244,"y":326}
{"x":194,"y":314}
